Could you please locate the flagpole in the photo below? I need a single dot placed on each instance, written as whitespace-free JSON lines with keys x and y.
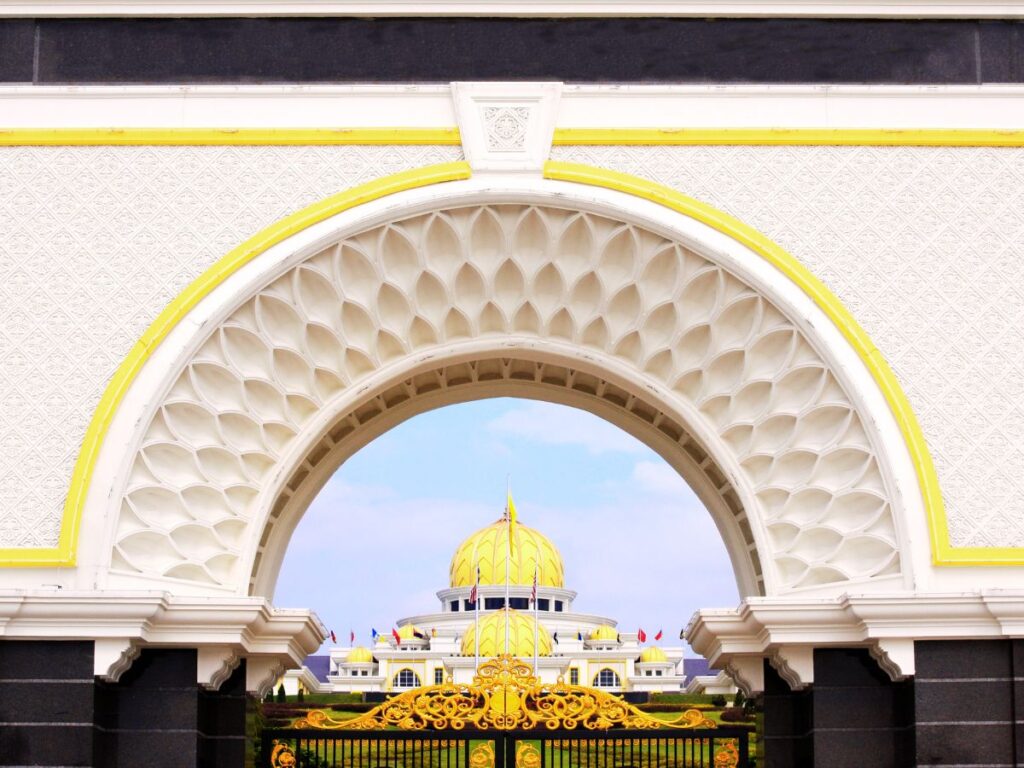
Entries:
{"x":508,"y":554}
{"x":536,"y":622}
{"x":476,"y":618}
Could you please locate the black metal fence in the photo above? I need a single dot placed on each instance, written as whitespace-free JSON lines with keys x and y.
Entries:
{"x":697,"y":748}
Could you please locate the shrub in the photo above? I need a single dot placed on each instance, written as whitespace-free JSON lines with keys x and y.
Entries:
{"x":735,"y":715}
{"x":301,"y":695}
{"x":718,"y":700}
{"x":739,"y":700}
{"x":281,"y":695}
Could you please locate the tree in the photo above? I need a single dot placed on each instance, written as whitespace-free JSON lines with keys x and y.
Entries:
{"x":281,"y":696}
{"x":301,"y":695}
{"x":738,"y":701}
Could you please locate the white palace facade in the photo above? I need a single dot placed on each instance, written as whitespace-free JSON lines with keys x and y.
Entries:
{"x":581,"y":648}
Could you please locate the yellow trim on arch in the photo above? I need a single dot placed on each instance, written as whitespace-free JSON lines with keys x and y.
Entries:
{"x":64,"y":553}
{"x":841,"y":137}
{"x":942,"y":552}
{"x":194,"y":137}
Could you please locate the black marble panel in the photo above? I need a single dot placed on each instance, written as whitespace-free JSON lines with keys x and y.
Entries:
{"x":17,"y":50}
{"x":575,"y":50}
{"x":46,"y":745}
{"x":788,"y":721}
{"x":965,"y":744}
{"x":42,"y":701}
{"x":962,"y":659}
{"x":46,"y":659}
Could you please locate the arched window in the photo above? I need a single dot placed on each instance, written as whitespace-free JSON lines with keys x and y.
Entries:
{"x":606,"y":678}
{"x":406,"y":678}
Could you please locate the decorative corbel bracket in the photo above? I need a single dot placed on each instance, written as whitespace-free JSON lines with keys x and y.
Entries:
{"x":795,"y":664}
{"x":748,"y":673}
{"x":113,"y":656}
{"x":261,"y":672}
{"x":214,"y":665}
{"x":895,"y":655}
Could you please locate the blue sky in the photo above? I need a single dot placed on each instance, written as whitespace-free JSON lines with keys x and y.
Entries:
{"x":376,"y":543}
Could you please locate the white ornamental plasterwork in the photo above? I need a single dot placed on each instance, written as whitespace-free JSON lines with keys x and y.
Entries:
{"x":94,"y":242}
{"x":925,"y":246}
{"x":399,"y":290}
{"x":506,"y":128}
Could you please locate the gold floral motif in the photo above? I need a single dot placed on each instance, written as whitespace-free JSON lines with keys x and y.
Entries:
{"x":505,"y":695}
{"x":527,"y":756}
{"x":728,"y":755}
{"x":482,"y":756}
{"x":281,"y":756}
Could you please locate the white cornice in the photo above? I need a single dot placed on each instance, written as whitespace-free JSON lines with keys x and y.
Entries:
{"x":786,"y":630}
{"x":525,"y":8}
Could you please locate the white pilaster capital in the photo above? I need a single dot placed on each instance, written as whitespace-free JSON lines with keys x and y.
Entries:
{"x":113,"y":656}
{"x":895,"y":655}
{"x":795,"y":664}
{"x":506,"y":127}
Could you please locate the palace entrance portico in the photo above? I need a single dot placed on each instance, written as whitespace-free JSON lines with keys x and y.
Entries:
{"x":508,"y":273}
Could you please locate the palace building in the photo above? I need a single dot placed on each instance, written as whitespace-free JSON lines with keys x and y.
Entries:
{"x":581,"y":648}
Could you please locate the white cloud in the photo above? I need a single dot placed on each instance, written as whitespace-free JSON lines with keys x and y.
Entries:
{"x":558,"y":425}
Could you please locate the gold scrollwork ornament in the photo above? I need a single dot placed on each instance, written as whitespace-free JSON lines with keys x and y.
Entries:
{"x":281,"y":756}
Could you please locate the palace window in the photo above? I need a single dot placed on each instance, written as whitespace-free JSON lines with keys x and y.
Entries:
{"x":454,"y":605}
{"x":438,"y":676}
{"x":355,"y":673}
{"x":469,"y":606}
{"x":658,"y":673}
{"x":494,"y":603}
{"x":606,"y":678}
{"x":406,"y":678}
{"x":365,"y":673}
{"x":543,"y":604}
{"x":574,"y":676}
{"x":648,"y":673}
{"x":519,"y":603}
{"x":558,"y":605}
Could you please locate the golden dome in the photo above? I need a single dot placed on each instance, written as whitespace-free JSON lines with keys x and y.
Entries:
{"x":382,"y":640}
{"x":488,"y":549}
{"x":653,"y":654}
{"x":492,"y":636}
{"x":604,"y":632}
{"x":359,"y":655}
{"x":408,"y":632}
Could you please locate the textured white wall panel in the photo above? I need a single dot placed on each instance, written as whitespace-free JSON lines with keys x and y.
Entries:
{"x":94,"y":242}
{"x":926,"y":248}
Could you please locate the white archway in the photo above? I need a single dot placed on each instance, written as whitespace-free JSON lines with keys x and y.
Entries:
{"x":593,"y":298}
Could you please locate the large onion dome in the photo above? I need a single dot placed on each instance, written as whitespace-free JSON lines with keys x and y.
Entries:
{"x":604,"y":632}
{"x":488,"y":548}
{"x":520,"y":636}
{"x":359,"y":655}
{"x":652,"y":655}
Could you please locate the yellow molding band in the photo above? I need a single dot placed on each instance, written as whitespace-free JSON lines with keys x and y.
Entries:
{"x":942,"y":552}
{"x":840,"y":137}
{"x":193,"y":137}
{"x":64,"y":553}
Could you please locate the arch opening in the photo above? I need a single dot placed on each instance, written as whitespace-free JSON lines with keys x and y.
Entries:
{"x":656,"y":328}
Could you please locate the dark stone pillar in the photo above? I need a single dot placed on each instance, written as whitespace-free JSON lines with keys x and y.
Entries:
{"x":788,"y":720}
{"x":46,"y":703}
{"x":222,"y":734}
{"x":860,"y":716}
{"x":966,"y":698}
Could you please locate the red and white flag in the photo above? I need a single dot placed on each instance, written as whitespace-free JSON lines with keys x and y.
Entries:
{"x":394,"y":634}
{"x":351,"y":635}
{"x":472,"y":592}
{"x":641,"y":636}
{"x":657,"y":636}
{"x":533,"y":594}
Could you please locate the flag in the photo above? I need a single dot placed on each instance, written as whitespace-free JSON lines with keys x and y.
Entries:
{"x":555,"y":638}
{"x":394,"y":634}
{"x":641,"y":636}
{"x":416,"y":633}
{"x":579,"y":636}
{"x":472,"y":592}
{"x":333,"y":638}
{"x":373,"y":634}
{"x":533,"y":594}
{"x":433,"y":631}
{"x":618,"y":638}
{"x":511,"y":522}
{"x":351,"y":635}
{"x":658,"y":636}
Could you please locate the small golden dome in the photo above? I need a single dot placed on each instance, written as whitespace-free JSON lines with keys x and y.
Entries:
{"x":382,"y":640}
{"x":488,"y":549}
{"x":653,"y":654}
{"x":409,"y":631}
{"x":604,"y":632}
{"x":359,"y":655}
{"x":520,"y":636}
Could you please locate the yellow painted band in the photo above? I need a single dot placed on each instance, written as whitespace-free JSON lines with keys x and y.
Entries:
{"x":923,"y":137}
{"x":942,"y":552}
{"x":190,"y":137}
{"x":64,"y":553}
